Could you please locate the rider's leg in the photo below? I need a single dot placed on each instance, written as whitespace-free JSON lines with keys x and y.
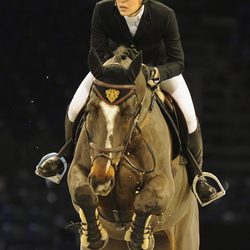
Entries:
{"x":80,"y":97}
{"x":53,"y":165}
{"x":178,"y":89}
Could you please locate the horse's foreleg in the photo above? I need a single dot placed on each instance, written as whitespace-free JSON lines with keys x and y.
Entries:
{"x":151,"y":200}
{"x":93,"y":235}
{"x":139,"y":235}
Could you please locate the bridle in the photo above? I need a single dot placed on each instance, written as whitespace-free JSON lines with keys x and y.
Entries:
{"x":104,"y":151}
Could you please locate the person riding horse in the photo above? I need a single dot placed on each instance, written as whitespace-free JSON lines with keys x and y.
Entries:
{"x":151,"y":27}
{"x":128,"y":192}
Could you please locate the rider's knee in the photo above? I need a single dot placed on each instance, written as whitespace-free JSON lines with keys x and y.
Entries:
{"x":72,"y":112}
{"x":191,"y":123}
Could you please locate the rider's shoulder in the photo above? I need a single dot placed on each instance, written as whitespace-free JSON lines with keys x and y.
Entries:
{"x":105,"y":7}
{"x":159,"y":6}
{"x":105,"y":3}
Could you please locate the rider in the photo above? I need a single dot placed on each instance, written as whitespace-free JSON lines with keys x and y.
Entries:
{"x":149,"y":26}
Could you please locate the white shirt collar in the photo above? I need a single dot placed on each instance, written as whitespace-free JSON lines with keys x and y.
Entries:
{"x":137,"y":17}
{"x":133,"y":21}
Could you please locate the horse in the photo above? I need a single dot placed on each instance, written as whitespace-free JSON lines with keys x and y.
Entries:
{"x":125,"y":185}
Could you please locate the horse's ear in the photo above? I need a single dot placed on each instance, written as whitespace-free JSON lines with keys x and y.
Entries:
{"x":94,"y":63}
{"x":135,"y":67}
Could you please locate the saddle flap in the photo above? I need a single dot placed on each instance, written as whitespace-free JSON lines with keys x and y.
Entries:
{"x":172,"y":127}
{"x":175,"y":120}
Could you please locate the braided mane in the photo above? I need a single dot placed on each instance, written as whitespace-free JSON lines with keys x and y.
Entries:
{"x":122,"y":53}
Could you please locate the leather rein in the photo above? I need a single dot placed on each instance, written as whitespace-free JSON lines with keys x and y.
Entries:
{"x":104,"y":151}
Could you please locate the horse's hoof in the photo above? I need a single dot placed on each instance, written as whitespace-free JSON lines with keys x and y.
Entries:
{"x":149,"y":245}
{"x":96,"y":246}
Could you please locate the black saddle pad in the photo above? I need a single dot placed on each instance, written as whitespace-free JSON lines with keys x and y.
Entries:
{"x":177,"y":126}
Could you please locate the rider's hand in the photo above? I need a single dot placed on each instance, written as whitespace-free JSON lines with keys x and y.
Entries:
{"x":150,"y":73}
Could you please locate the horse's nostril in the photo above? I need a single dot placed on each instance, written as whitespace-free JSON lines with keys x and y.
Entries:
{"x":91,"y":181}
{"x":103,"y":187}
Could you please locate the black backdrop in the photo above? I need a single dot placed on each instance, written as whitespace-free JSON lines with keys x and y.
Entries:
{"x":43,"y":52}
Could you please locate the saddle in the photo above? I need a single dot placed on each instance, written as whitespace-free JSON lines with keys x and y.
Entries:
{"x":175,"y":120}
{"x":171,"y":113}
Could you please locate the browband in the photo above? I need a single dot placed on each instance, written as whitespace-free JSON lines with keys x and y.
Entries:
{"x":115,"y":86}
{"x":113,"y":94}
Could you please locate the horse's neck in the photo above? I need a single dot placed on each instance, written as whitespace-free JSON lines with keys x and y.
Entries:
{"x":146,"y":102}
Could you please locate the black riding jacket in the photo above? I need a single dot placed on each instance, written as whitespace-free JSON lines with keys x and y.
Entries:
{"x":157,"y":36}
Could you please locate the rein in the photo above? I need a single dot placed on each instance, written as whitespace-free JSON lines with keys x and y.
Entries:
{"x":104,"y":152}
{"x":134,"y":126}
{"x":138,"y":118}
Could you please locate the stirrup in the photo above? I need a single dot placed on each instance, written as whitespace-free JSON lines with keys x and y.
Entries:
{"x":56,"y":178}
{"x":220,"y":193}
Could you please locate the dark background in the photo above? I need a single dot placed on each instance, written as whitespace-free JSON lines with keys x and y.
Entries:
{"x":43,"y":53}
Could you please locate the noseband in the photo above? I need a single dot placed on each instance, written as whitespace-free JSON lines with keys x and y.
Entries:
{"x":106,"y":152}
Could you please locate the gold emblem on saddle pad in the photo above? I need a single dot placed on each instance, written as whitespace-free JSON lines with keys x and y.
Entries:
{"x":112,"y":94}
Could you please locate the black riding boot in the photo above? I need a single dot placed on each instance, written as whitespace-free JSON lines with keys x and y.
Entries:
{"x":205,"y":191}
{"x":55,"y":164}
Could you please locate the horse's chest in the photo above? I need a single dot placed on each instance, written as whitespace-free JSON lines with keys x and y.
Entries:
{"x":127,"y":183}
{"x":129,"y":177}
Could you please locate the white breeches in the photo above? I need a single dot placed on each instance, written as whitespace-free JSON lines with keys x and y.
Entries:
{"x":80,"y":97}
{"x":175,"y":86}
{"x":178,"y":89}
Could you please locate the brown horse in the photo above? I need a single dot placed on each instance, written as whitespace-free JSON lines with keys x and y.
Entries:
{"x":126,"y":188}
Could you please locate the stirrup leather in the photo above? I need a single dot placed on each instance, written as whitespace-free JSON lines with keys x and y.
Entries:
{"x":56,"y":178}
{"x":221,"y":192}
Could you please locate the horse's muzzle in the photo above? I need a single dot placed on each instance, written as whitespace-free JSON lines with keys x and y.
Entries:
{"x":100,"y":186}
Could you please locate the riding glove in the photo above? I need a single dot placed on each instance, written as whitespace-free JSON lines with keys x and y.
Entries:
{"x":149,"y":72}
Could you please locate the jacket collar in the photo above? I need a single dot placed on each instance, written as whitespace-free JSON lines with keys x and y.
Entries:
{"x":145,"y":19}
{"x":146,"y":14}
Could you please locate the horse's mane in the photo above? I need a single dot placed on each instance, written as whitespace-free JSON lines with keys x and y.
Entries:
{"x":122,"y":53}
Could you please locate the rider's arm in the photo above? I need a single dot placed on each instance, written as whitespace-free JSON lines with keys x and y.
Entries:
{"x":174,"y":51}
{"x":98,"y":39}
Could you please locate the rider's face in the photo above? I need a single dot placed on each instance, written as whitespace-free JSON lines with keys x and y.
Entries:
{"x":128,"y":7}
